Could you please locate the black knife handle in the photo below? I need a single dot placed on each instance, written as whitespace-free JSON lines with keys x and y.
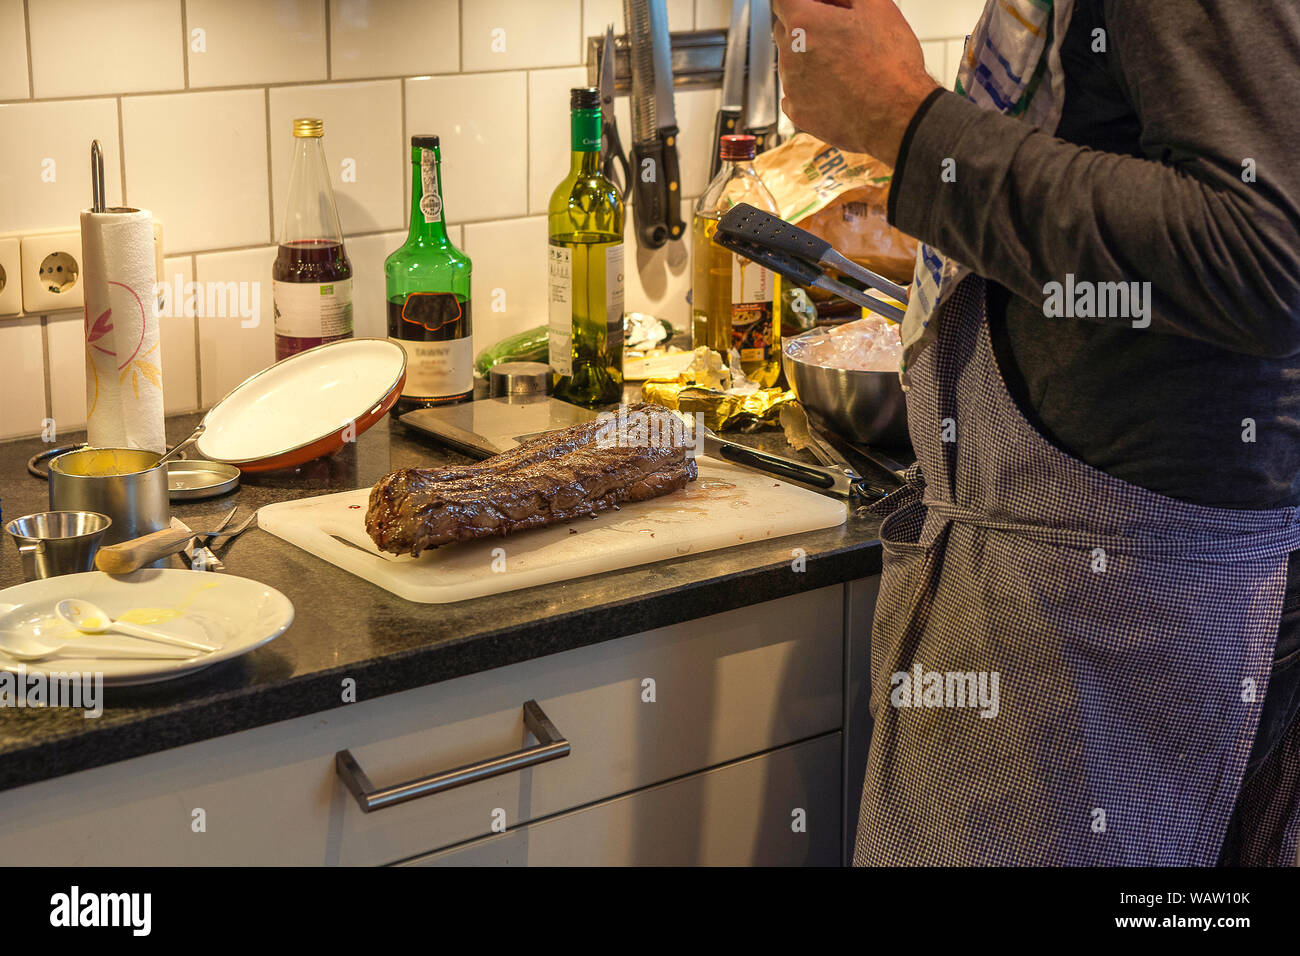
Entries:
{"x":746,"y":222}
{"x":727,"y":123}
{"x":672,"y":184}
{"x":774,"y":465}
{"x":648,"y":210}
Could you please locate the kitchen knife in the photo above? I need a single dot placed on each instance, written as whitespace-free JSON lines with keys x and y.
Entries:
{"x":733,"y":82}
{"x":666,"y":115}
{"x":760,"y":103}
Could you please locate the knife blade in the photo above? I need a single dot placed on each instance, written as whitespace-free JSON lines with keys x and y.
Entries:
{"x":760,"y":104}
{"x":613,"y":159}
{"x":727,"y":122}
{"x":661,"y":55}
{"x":200,"y":558}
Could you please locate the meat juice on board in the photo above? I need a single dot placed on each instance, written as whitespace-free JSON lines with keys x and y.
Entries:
{"x":311,"y":276}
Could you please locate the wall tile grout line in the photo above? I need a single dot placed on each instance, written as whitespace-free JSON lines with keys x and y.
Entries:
{"x":185,"y":43}
{"x":198,"y":351}
{"x":270,"y":183}
{"x":329,"y":53}
{"x":31,"y":68}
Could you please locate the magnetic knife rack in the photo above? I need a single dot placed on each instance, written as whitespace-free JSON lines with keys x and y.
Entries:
{"x":697,"y":57}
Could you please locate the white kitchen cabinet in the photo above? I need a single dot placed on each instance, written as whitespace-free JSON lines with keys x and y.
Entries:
{"x":780,"y":808}
{"x":725,"y":687}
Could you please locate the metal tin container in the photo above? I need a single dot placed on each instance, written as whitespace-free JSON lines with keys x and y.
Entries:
{"x":519,"y":381}
{"x":57,"y":542}
{"x":126,"y":484}
{"x":867,"y":408}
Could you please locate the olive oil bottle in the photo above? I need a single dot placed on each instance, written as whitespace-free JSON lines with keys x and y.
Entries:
{"x":585,"y":269}
{"x":735,"y":303}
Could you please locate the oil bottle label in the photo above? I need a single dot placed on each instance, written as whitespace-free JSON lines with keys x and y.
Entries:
{"x":560,"y":309}
{"x":313,"y":310}
{"x":752,"y":291}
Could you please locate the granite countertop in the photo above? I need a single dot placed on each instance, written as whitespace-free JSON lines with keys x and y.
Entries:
{"x":347,"y":627}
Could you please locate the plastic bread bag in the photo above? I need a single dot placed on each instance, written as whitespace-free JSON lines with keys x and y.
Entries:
{"x":841,"y":197}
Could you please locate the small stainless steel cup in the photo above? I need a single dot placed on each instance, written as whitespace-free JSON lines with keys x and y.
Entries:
{"x":58,"y":542}
{"x":127,"y":484}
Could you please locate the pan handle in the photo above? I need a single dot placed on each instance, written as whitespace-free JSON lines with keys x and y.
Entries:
{"x":36,"y":461}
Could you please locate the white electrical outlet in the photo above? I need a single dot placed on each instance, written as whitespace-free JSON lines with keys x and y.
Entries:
{"x":52,"y":272}
{"x":11,"y":278}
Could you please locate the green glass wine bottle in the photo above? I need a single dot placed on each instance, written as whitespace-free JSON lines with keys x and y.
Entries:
{"x":585,"y":267}
{"x":427,"y":282}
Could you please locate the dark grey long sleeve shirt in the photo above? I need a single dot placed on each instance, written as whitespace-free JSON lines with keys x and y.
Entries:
{"x":1143,"y":181}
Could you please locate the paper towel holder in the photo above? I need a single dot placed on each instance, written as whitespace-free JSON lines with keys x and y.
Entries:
{"x":97,"y":182}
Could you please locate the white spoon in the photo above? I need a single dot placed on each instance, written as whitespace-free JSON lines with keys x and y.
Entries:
{"x":88,"y":618}
{"x":25,"y":647}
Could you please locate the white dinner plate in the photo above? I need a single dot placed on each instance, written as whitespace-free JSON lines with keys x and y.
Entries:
{"x":235,"y":613}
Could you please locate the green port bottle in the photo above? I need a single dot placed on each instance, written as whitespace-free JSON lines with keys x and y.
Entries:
{"x":585,"y":269}
{"x":427,"y":284}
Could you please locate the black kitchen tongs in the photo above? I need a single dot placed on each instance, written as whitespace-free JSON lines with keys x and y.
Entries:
{"x":803,"y":258}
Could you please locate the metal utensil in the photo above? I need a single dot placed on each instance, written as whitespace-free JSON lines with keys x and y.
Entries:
{"x":613,"y":159}
{"x":191,"y":478}
{"x":656,"y":183}
{"x":25,"y":647}
{"x":96,"y":177}
{"x":229,"y":534}
{"x":760,"y":101}
{"x":733,"y":82}
{"x":867,"y":408}
{"x":58,"y":542}
{"x":661,"y":54}
{"x":128,"y":556}
{"x":200,"y":557}
{"x":183,"y":444}
{"x":126,"y":484}
{"x":92,"y":619}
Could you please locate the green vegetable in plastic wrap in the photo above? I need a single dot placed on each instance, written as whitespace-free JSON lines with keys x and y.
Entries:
{"x":530,"y":346}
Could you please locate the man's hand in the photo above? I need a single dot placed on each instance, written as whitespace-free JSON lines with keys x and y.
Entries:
{"x":852,"y":72}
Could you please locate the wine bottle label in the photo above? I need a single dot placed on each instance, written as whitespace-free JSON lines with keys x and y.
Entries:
{"x":435,"y":331}
{"x":430,"y":198}
{"x":312,"y":310}
{"x":438,"y":369}
{"x":560,"y":314}
{"x":750,"y":282}
{"x":614,"y":298}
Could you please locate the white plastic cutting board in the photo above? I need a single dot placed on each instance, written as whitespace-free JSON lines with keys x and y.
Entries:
{"x":726,"y":505}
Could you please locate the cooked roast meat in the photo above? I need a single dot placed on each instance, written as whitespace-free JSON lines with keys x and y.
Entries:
{"x":577,"y":471}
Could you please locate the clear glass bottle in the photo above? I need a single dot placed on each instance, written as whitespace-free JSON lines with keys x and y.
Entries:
{"x":427,"y":284}
{"x":734,"y":300}
{"x":311,"y":276}
{"x":585,"y":268}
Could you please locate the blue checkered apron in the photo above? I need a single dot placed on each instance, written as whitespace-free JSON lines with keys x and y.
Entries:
{"x":1132,"y":636}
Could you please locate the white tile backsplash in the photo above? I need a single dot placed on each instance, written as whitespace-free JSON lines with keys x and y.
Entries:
{"x":229,"y":352}
{"x":22,"y":387}
{"x":13,"y":51}
{"x":212,"y":164}
{"x":177,"y":332}
{"x":126,"y":46}
{"x":45,"y":162}
{"x":953,"y":51}
{"x":482,"y":125}
{"x":941,"y":19}
{"x":515,"y":34}
{"x":253,"y":41}
{"x":394,"y":37}
{"x":363,"y":148}
{"x":509,"y":277}
{"x":66,"y":337}
{"x":198,"y":163}
{"x":549,"y":149}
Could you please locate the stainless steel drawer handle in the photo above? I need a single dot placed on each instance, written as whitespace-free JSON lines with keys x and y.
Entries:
{"x":550,"y":746}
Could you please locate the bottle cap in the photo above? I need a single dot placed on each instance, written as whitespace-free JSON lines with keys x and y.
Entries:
{"x":739,"y":147}
{"x":308,"y":127}
{"x":584,"y":98}
{"x":425,"y":141}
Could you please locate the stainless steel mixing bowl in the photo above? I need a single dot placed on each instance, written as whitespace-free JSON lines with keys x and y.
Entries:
{"x":864,"y":407}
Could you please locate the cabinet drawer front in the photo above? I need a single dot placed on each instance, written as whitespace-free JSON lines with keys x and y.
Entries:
{"x":741,"y":814}
{"x":723,"y":687}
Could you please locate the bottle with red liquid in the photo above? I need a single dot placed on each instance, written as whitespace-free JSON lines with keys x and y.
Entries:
{"x":312,"y":275}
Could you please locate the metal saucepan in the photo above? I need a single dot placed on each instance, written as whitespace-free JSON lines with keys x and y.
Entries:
{"x":867,"y":408}
{"x":126,"y":484}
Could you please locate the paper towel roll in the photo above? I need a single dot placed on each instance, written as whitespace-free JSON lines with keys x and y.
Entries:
{"x":124,"y":387}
